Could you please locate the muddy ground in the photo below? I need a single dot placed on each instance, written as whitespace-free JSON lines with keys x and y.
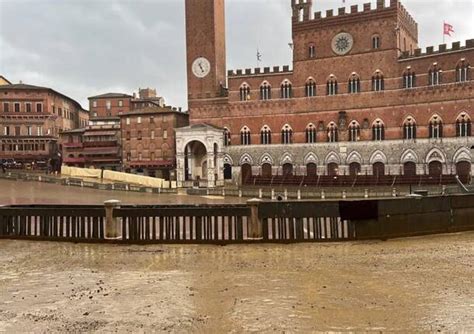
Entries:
{"x":418,"y":284}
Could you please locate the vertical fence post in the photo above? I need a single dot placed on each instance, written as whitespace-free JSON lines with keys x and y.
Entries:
{"x":112,"y":230}
{"x":255,"y":226}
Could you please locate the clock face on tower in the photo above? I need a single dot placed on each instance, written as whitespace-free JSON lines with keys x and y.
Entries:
{"x":342,"y":43}
{"x":201,"y":67}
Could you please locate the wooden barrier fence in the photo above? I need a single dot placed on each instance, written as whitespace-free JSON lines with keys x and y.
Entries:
{"x":257,"y":221}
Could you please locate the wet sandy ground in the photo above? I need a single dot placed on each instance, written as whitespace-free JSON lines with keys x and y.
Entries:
{"x":25,"y":192}
{"x":418,"y":284}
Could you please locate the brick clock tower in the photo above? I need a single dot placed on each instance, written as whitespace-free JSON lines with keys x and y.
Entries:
{"x":205,"y":46}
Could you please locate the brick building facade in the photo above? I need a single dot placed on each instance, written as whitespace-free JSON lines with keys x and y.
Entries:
{"x":98,"y":145}
{"x":31,"y":119}
{"x":148,"y":140}
{"x":360,"y":98}
{"x":112,"y":104}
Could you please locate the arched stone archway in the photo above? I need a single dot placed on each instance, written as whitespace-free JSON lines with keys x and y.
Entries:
{"x":199,"y":156}
{"x":196,"y":161}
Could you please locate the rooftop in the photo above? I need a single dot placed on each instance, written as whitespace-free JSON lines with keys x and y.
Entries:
{"x":22,"y":86}
{"x":110,"y":96}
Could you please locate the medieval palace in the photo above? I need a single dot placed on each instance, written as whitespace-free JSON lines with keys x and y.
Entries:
{"x":361,"y":100}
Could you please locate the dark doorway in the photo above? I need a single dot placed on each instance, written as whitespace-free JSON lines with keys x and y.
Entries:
{"x":311,"y":169}
{"x":435,"y":168}
{"x":463,"y":170}
{"x":227,"y":172}
{"x":354,"y":168}
{"x":267,"y":170}
{"x":409,"y":169}
{"x":378,"y":169}
{"x":246,"y":172}
{"x":333,"y":169}
{"x":287,"y":170}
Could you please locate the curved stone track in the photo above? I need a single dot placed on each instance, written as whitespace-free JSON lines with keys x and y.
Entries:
{"x":417,"y":284}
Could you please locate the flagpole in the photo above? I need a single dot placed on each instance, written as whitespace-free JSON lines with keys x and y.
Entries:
{"x":444,"y":23}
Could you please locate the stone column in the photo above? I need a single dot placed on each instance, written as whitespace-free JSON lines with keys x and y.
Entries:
{"x":255,"y":226}
{"x":113,"y":226}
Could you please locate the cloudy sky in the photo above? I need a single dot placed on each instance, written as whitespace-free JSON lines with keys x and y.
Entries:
{"x":88,"y":47}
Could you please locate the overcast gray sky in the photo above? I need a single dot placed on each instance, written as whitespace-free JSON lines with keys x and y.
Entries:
{"x":88,"y":47}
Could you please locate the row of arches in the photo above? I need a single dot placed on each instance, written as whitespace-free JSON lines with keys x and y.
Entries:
{"x":408,"y":80}
{"x":409,"y":169}
{"x":408,"y":155}
{"x":409,"y":128}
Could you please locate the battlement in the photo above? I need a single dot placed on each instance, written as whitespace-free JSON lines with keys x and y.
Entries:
{"x":259,"y":71}
{"x":405,"y":15}
{"x":442,"y":48}
{"x":301,"y":14}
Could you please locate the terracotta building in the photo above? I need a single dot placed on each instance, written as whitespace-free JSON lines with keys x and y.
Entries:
{"x":109,"y":105}
{"x":94,"y":146}
{"x":148,"y":140}
{"x":112,"y":104}
{"x":31,"y":119}
{"x":361,"y":99}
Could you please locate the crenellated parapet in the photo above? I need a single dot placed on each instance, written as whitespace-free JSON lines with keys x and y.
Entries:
{"x":301,"y":13}
{"x":442,"y":49}
{"x":407,"y":21}
{"x":259,"y":71}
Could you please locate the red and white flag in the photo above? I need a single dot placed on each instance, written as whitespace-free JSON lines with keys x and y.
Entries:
{"x":448,"y":29}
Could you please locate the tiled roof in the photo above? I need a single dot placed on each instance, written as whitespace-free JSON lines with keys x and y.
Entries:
{"x":109,"y":96}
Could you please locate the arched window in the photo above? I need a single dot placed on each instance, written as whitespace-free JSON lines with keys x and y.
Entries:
{"x":375,"y":42}
{"x":285,"y":90}
{"x":463,"y":126}
{"x":244,"y":92}
{"x":409,"y":129}
{"x":265,"y":91}
{"x":462,"y":71}
{"x":310,"y":88}
{"x":436,"y":128}
{"x":354,"y":131}
{"x":434,"y":75}
{"x":286,"y":135}
{"x":311,"y":51}
{"x":378,"y":130}
{"x":354,"y":84}
{"x":331,"y":86}
{"x":245,"y":136}
{"x":226,"y":137}
{"x":310,"y":134}
{"x":265,"y":136}
{"x":409,"y":78}
{"x":378,"y":82}
{"x":332,"y":133}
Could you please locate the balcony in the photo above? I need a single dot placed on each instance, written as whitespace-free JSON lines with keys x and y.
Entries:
{"x":72,"y":145}
{"x":108,"y":143}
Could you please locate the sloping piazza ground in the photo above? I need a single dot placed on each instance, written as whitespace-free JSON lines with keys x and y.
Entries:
{"x":417,"y":284}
